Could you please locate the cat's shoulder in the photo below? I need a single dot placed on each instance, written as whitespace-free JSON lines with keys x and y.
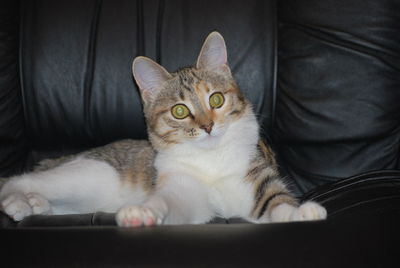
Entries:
{"x":265,"y":152}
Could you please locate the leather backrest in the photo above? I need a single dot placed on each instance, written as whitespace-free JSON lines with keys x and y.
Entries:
{"x":77,"y":55}
{"x":338,"y":105}
{"x":12,"y":143}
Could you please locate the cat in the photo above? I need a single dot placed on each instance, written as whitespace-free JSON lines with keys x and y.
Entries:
{"x":204,"y":159}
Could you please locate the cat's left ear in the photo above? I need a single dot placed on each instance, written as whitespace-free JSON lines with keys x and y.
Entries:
{"x":213,"y":55}
{"x":149,"y":76}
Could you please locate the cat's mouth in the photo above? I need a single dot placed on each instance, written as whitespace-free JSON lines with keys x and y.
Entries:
{"x":210,"y":140}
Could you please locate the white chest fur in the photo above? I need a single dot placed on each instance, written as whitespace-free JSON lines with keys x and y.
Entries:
{"x":221,"y":169}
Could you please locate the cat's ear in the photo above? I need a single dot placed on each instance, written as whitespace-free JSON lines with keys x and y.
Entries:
{"x":149,"y":76}
{"x":213,"y":55}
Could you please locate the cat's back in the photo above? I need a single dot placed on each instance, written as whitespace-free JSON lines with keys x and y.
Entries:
{"x":123,"y":152}
{"x":132,"y":159}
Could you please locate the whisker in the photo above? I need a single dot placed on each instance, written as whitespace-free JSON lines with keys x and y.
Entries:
{"x":168,"y":133}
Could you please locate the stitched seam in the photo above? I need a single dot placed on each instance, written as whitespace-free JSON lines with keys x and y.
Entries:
{"x":275,"y":66}
{"x":354,"y":181}
{"x":357,"y":204}
{"x":160,"y":18}
{"x":140,"y":36}
{"x":22,"y":21}
{"x":88,"y":82}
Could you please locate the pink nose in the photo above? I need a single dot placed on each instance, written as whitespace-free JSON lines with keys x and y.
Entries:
{"x":207,"y":128}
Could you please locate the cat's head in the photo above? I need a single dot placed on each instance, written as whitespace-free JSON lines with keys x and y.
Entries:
{"x":194,"y":105}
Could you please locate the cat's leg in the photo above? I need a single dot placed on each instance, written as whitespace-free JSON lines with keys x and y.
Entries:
{"x":179,"y":199}
{"x":277,"y":204}
{"x":19,"y":205}
{"x":16,"y":206}
{"x":39,"y":204}
{"x":305,"y":212}
{"x":77,"y":186}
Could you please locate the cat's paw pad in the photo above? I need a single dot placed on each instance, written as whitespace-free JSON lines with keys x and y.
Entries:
{"x":136,"y":216}
{"x":39,"y":204}
{"x":16,"y":206}
{"x":309,"y":211}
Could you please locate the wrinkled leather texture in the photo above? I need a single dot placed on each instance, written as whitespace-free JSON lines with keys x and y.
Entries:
{"x":337,"y":109}
{"x":77,"y":56}
{"x":12,"y":146}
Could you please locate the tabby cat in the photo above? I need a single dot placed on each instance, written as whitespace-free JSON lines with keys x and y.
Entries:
{"x":204,"y":158}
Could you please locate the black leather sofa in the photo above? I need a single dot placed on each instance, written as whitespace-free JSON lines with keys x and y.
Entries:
{"x":324,"y":77}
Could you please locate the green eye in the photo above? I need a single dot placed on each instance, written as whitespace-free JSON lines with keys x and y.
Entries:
{"x":216,"y":100}
{"x":180,"y":111}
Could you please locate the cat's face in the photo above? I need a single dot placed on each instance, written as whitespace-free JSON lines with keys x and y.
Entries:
{"x":193,"y":105}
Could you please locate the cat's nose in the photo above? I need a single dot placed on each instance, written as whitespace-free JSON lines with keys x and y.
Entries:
{"x":207,"y":127}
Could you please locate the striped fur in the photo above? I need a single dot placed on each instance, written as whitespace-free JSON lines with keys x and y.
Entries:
{"x":269,"y":188}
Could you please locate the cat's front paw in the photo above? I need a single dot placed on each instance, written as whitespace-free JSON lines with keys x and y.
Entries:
{"x":39,"y":204}
{"x":16,"y":206}
{"x":308,"y":211}
{"x":136,"y":216}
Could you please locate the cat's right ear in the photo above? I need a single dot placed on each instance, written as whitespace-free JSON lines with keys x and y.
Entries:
{"x":213,"y":55}
{"x":149,"y":76}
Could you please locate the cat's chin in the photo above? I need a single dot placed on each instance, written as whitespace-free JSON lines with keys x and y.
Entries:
{"x":208,"y":141}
